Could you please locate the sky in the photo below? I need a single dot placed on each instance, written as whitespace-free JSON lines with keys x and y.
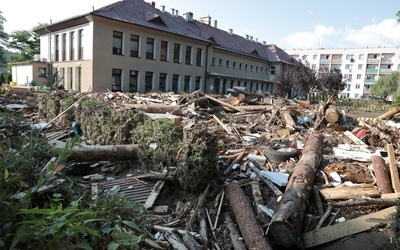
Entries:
{"x":289,"y":24}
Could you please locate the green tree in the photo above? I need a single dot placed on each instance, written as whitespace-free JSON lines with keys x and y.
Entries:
{"x":297,"y":76}
{"x":398,"y":16}
{"x":3,"y":38}
{"x":9,"y":78}
{"x":387,"y":85}
{"x":331,"y":81}
{"x":2,"y":78}
{"x":26,"y":43}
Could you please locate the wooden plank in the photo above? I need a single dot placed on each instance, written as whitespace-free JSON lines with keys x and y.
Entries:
{"x":355,"y":139}
{"x":154,"y":194}
{"x":347,"y":228}
{"x":394,"y":173}
{"x":344,"y":193}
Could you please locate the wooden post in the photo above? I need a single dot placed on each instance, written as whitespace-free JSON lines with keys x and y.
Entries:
{"x":381,"y":174}
{"x":247,"y":222}
{"x":394,"y":173}
{"x":287,"y":223}
{"x":389,"y":114}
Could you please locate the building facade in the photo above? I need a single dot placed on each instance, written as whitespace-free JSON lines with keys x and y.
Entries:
{"x":132,"y":46}
{"x":360,"y":67}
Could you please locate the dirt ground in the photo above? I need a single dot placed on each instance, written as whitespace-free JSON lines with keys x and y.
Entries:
{"x":364,"y":113}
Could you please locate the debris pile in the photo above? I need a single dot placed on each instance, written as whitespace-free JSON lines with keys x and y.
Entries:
{"x":239,"y":171}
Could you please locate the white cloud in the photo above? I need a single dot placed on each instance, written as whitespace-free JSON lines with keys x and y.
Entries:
{"x":386,"y":33}
{"x":319,"y":37}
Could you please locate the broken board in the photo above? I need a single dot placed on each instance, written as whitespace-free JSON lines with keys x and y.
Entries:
{"x":350,"y":227}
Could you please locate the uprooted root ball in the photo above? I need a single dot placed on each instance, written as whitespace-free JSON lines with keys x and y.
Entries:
{"x":159,"y":141}
{"x":197,"y":160}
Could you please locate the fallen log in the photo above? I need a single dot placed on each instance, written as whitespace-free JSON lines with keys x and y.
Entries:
{"x":381,"y":175}
{"x":234,"y":233}
{"x":331,"y":115}
{"x":247,"y":222}
{"x":367,"y":201}
{"x":389,"y":113}
{"x":156,"y":108}
{"x":104,"y":153}
{"x":287,"y":223}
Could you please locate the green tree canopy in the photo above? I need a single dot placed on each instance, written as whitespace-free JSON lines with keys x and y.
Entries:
{"x":398,"y":16}
{"x":3,"y":38}
{"x":386,"y":85}
{"x":26,"y":43}
{"x":331,"y":82}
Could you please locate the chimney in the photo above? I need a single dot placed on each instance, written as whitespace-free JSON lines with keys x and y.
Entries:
{"x":251,"y":38}
{"x":230,"y":31}
{"x":247,"y":37}
{"x":163,"y":8}
{"x":257,"y":40}
{"x":172,"y":11}
{"x":264,"y":43}
{"x":189,"y":16}
{"x":153,"y":4}
{"x":176,"y":12}
{"x":215,"y":23}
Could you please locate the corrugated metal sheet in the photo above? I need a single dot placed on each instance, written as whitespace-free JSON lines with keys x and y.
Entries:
{"x":133,"y":190}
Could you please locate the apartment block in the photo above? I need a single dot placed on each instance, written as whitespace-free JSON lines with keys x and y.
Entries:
{"x":132,"y":46}
{"x":360,"y":67}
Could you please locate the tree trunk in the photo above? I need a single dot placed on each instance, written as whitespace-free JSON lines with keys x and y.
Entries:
{"x":287,"y":223}
{"x":156,"y":108}
{"x":105,"y":153}
{"x":389,"y":113}
{"x":331,"y":115}
{"x":246,"y":220}
{"x":381,"y":175}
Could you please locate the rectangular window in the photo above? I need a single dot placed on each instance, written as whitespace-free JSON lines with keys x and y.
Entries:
{"x":117,"y":43}
{"x":42,"y":72}
{"x":360,"y":66}
{"x":347,"y":66}
{"x":177,"y":53}
{"x":245,"y":67}
{"x":227,"y":64}
{"x":64,"y":47}
{"x":358,"y":76}
{"x":57,"y":59}
{"x":213,"y":61}
{"x":72,"y":46}
{"x":133,"y":81}
{"x":164,"y":51}
{"x":240,"y":65}
{"x":197,"y":83}
{"x":80,"y":44}
{"x":188,"y":55}
{"x":134,"y":46}
{"x":361,"y":57}
{"x":314,"y":57}
{"x":234,"y":65}
{"x":349,"y":57}
{"x":357,"y":86}
{"x":150,"y":48}
{"x":162,"y":82}
{"x":175,"y":83}
{"x":199,"y":54}
{"x":186,"y":85}
{"x":273,"y":70}
{"x":220,"y":62}
{"x":148,"y":81}
{"x":116,"y":80}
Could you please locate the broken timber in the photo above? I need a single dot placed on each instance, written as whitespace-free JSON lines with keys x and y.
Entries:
{"x":381,"y":174}
{"x":247,"y":222}
{"x":104,"y":153}
{"x":350,"y":227}
{"x":286,"y":224}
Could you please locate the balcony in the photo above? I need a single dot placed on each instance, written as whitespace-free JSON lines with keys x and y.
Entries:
{"x":385,"y":71}
{"x":336,"y":61}
{"x":372,"y":60}
{"x":371,"y":80}
{"x":324,"y":61}
{"x":372,"y":71}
